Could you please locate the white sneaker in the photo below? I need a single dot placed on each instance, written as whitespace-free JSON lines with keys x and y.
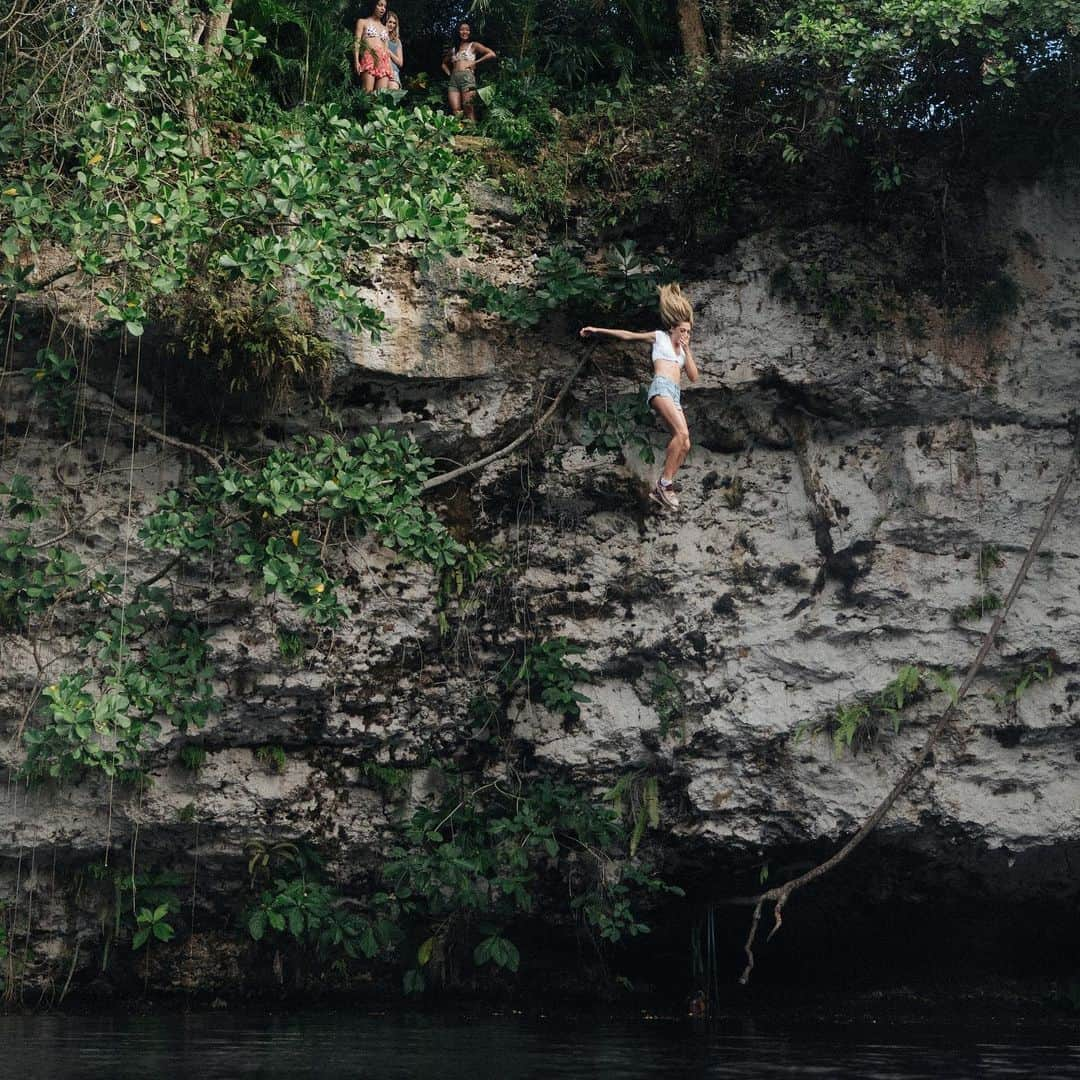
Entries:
{"x":664,"y":496}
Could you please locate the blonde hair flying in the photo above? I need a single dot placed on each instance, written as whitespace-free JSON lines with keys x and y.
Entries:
{"x":674,"y":307}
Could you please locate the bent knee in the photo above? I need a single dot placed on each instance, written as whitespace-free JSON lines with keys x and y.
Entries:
{"x":684,"y":443}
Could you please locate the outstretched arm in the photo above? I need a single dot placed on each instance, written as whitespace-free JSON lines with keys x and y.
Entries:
{"x":622,"y":335}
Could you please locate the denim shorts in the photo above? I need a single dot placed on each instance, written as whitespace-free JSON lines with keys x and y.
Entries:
{"x":664,"y":387}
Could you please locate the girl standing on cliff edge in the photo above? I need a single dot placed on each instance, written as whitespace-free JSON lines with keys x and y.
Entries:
{"x":670,"y":356}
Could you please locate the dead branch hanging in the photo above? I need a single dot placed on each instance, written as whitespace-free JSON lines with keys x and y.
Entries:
{"x":780,"y":894}
{"x":472,"y":466}
{"x":169,"y":440}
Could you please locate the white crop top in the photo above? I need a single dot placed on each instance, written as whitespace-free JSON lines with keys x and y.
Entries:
{"x":663,"y":350}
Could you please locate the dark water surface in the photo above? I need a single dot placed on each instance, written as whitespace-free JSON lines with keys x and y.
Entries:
{"x":393,"y":1045}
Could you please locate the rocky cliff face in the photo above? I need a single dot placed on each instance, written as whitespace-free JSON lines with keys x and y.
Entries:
{"x":857,"y":480}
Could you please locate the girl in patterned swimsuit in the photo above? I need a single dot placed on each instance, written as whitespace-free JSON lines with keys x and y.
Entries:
{"x":462,"y":57}
{"x":671,"y":356}
{"x":371,"y":56}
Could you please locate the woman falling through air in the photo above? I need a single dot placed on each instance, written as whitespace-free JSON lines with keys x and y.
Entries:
{"x":670,"y":355}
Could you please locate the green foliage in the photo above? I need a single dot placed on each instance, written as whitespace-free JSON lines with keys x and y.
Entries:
{"x":518,"y":113}
{"x":391,"y":780}
{"x":139,"y":906}
{"x":313,"y":916}
{"x":1021,"y":681}
{"x":306,"y":42}
{"x":275,"y":520}
{"x":266,"y":856}
{"x":859,"y":724}
{"x":192,"y":757}
{"x":473,"y":865}
{"x":565,"y":284}
{"x":56,"y":382}
{"x":978,"y":607}
{"x":514,"y":303}
{"x":32,"y":582}
{"x":866,"y":70}
{"x":612,"y":912}
{"x":148,"y":664}
{"x":457,"y":583}
{"x":19,"y":501}
{"x":618,"y":424}
{"x":497,"y":950}
{"x":636,"y":797}
{"x":545,"y":670}
{"x":254,"y":343}
{"x":273,"y":757}
{"x":668,"y":698}
{"x":291,"y":645}
{"x":118,"y":175}
{"x":152,"y":925}
{"x":990,"y":559}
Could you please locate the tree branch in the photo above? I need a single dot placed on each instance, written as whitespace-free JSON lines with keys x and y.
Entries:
{"x":453,"y":474}
{"x":169,"y":440}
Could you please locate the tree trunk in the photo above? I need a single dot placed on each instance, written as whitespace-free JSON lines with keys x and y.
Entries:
{"x":726,"y":34}
{"x":215,"y":30}
{"x":691,"y":28}
{"x":208,"y":31}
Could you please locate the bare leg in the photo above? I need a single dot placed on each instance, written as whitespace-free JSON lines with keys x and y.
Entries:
{"x":453,"y":98}
{"x":367,"y":81}
{"x":468,"y":104}
{"x":382,"y":84}
{"x":675,"y":421}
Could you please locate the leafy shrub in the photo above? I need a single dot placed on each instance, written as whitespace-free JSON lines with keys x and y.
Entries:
{"x":313,"y":915}
{"x":518,"y":112}
{"x":273,"y":757}
{"x":150,"y":665}
{"x":122,"y":173}
{"x":545,"y":670}
{"x":471,"y":866}
{"x":978,"y":607}
{"x":619,"y":424}
{"x":275,"y":519}
{"x":565,"y":284}
{"x":859,"y":724}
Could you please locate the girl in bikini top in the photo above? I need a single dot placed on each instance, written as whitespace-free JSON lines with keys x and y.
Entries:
{"x":664,"y":350}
